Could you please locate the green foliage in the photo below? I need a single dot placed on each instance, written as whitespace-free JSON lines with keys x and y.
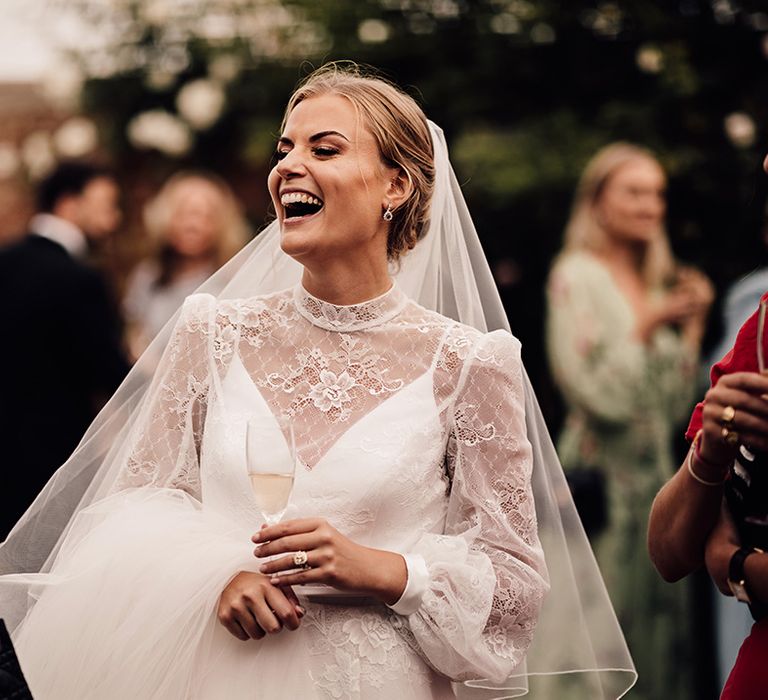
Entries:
{"x":526,"y":91}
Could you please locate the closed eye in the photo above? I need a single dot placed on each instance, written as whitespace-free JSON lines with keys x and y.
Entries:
{"x":325,"y":151}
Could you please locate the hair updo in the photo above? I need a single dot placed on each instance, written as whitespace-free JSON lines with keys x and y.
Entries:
{"x":400,"y":129}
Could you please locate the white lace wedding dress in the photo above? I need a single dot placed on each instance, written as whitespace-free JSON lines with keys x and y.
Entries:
{"x":411,"y":431}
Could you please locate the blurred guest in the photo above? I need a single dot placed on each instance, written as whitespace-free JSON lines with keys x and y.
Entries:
{"x":61,"y":356}
{"x":624,"y":328}
{"x":196,"y":225}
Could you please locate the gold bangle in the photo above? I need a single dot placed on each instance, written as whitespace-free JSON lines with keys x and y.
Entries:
{"x":704,"y":482}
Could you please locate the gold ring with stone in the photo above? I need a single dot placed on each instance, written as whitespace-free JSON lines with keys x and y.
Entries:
{"x":730,"y":437}
{"x":727,"y":417}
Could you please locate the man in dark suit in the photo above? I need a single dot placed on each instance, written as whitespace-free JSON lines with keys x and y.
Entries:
{"x":60,"y":354}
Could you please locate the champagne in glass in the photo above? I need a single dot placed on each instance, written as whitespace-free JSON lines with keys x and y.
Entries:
{"x":270,"y":452}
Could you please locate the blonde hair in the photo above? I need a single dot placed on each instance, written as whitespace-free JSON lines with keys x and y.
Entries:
{"x":400,"y":129}
{"x":233,"y":231}
{"x":584,"y":230}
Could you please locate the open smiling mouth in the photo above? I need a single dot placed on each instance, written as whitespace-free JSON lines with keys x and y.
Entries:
{"x":300,"y":204}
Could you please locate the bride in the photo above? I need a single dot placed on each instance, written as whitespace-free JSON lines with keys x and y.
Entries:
{"x":419,"y":450}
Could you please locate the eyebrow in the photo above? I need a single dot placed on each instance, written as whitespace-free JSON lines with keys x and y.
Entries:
{"x":315,"y":137}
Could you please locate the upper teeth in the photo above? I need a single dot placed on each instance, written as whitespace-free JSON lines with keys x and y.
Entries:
{"x":295,"y":197}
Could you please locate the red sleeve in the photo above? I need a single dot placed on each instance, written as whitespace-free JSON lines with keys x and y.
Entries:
{"x":742,"y":357}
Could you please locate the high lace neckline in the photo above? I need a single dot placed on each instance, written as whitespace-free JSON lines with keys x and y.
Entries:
{"x":351,"y":317}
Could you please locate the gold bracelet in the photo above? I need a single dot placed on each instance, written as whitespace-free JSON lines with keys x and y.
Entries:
{"x":704,"y":482}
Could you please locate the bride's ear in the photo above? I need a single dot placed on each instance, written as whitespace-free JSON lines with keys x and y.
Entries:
{"x":399,"y":189}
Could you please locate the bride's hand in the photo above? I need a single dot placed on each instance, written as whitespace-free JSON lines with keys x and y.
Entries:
{"x":251,"y":607}
{"x":331,"y":559}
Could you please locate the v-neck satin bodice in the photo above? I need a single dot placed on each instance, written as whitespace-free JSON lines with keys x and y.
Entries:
{"x":382,"y":482}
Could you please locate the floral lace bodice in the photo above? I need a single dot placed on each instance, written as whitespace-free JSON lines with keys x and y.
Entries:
{"x":411,"y":432}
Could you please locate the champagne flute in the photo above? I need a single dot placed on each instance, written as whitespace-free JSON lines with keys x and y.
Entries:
{"x":270,"y":453}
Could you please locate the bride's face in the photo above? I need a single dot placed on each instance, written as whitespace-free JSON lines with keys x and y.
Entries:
{"x":329,"y":186}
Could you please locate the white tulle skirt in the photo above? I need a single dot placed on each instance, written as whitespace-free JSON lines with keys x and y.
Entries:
{"x":129,"y":611}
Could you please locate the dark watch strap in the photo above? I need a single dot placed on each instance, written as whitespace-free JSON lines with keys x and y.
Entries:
{"x":736,"y":580}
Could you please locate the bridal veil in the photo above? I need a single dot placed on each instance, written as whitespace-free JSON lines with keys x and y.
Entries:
{"x":578,"y":649}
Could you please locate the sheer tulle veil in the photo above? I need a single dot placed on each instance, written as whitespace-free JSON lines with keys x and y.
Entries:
{"x":578,"y":649}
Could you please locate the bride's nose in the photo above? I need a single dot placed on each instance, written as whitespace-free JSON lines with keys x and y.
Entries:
{"x":292,"y":165}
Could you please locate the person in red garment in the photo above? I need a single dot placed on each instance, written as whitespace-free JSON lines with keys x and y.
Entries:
{"x":714,"y":511}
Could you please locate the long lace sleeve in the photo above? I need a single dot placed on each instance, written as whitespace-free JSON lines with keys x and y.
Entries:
{"x":474,"y":593}
{"x":597,"y":363}
{"x":164,"y":447}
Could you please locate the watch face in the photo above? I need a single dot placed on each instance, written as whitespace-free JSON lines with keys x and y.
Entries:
{"x":739,"y":591}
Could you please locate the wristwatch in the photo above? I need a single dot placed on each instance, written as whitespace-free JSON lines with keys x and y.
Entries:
{"x":736,"y":581}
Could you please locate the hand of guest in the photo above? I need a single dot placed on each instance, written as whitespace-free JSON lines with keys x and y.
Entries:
{"x":745,"y":395}
{"x":722,"y":543}
{"x":687,"y":302}
{"x":697,"y":286}
{"x":251,"y":607}
{"x":331,"y":559}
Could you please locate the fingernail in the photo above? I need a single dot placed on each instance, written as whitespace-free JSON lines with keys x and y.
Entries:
{"x":275,"y":580}
{"x":300,"y":611}
{"x":256,"y":537}
{"x":263,"y":568}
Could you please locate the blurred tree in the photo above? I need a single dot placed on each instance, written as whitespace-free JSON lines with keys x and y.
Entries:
{"x":525,"y":90}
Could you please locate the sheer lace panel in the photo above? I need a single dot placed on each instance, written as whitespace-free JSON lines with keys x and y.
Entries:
{"x":327,"y":380}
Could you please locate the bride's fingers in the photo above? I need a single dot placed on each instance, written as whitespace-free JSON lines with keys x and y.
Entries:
{"x":236,"y":623}
{"x":248,"y":622}
{"x":289,"y":543}
{"x":293,"y":600}
{"x":289,"y":527}
{"x":283,"y":609}
{"x":265,"y":617}
{"x":300,"y":578}
{"x":286,"y":563}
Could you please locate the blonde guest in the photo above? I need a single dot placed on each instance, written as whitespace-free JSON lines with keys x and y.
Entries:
{"x":196,"y":225}
{"x":624,"y":327}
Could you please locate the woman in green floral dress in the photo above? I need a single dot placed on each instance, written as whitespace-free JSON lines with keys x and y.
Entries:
{"x":624,"y":329}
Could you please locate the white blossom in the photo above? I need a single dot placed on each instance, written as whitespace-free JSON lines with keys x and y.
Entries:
{"x":64,"y":84}
{"x":543,"y":33}
{"x":201,"y":103}
{"x":740,"y":129}
{"x":37,"y":154}
{"x":76,"y":137}
{"x":158,"y":79}
{"x":649,"y":59}
{"x":225,"y":68}
{"x":373,"y":31}
{"x":10,"y":162}
{"x":505,"y":23}
{"x":161,"y":130}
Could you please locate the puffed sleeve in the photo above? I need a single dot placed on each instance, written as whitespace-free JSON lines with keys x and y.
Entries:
{"x":474,"y":593}
{"x":165,"y":441}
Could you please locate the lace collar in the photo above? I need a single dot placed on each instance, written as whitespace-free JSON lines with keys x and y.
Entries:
{"x":354,"y":317}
